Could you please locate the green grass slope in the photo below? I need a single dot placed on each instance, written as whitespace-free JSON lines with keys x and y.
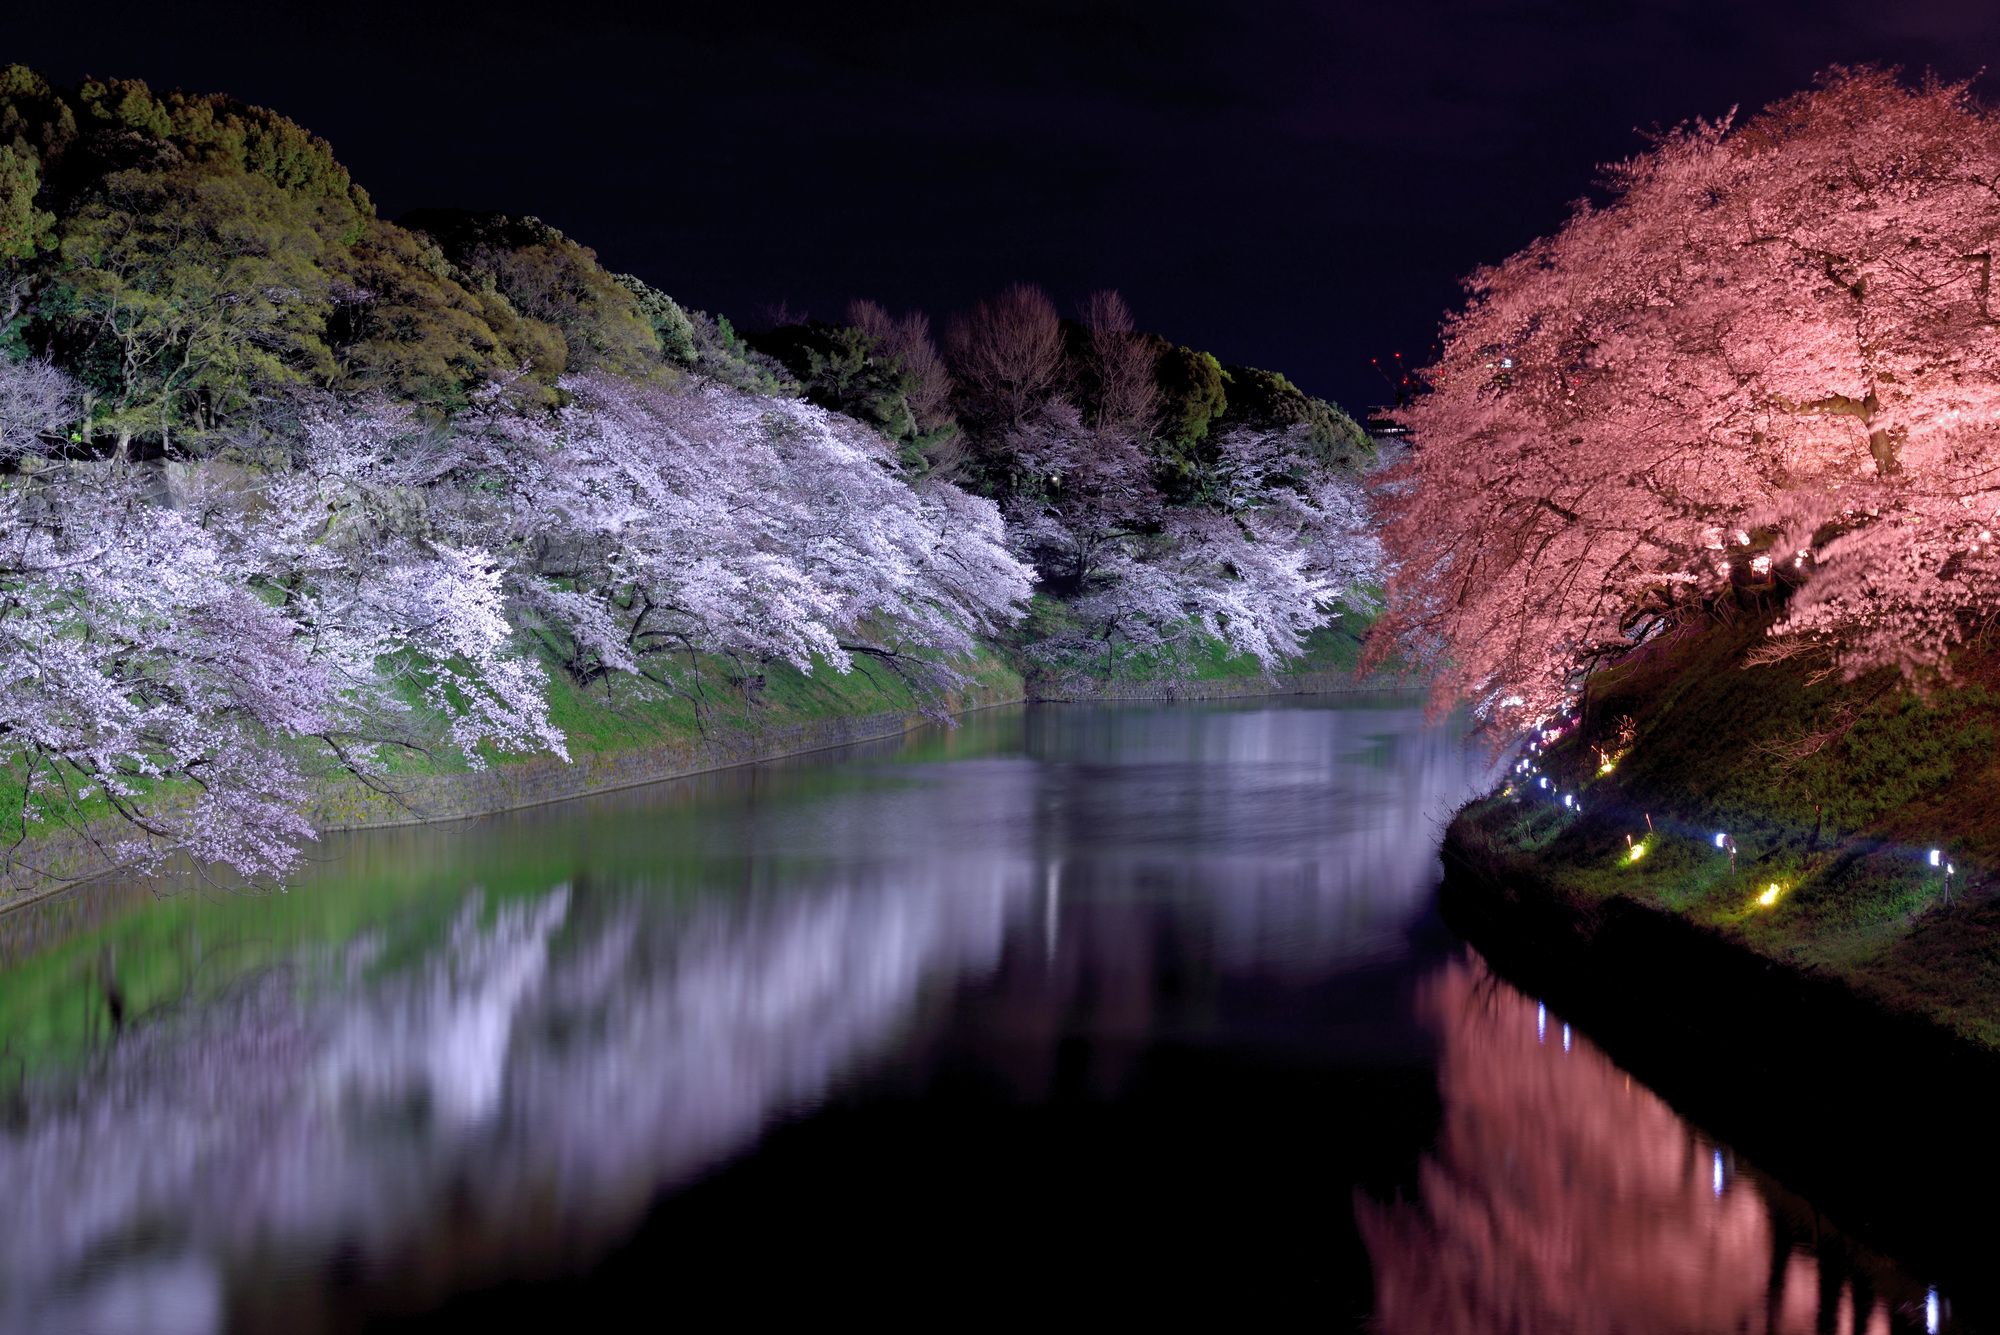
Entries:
{"x":1834,"y":792}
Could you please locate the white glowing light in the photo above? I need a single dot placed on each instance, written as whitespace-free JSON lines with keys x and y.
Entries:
{"x":1718,"y":1172}
{"x":1934,"y":857}
{"x":1541,"y":1021}
{"x":1638,"y":851}
{"x":1567,"y":799}
{"x":1770,"y":896}
{"x":1565,"y":1038}
{"x":1720,"y":840}
{"x":1931,"y":1312}
{"x":1545,"y":781}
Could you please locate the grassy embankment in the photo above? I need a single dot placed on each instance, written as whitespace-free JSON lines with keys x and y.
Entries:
{"x":616,"y":714}
{"x":613,"y":714}
{"x":1835,"y":793}
{"x":607,"y":716}
{"x":1334,"y":648}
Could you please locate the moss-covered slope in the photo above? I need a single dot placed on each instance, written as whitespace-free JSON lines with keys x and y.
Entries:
{"x":1835,"y":794}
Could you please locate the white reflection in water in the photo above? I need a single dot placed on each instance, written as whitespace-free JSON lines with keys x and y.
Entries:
{"x":539,"y":1074}
{"x":1308,"y":837}
{"x":182,"y":1296}
{"x":443,"y":1036}
{"x":508,"y":1076}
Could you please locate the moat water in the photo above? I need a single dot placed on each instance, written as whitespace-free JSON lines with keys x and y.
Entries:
{"x":1120,"y":1013}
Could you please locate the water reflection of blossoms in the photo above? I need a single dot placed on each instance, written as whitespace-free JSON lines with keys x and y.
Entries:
{"x":1563,"y":1196}
{"x":427,"y":1109}
{"x":562,"y":1060}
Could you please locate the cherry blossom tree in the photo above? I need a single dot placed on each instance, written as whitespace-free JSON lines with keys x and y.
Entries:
{"x":648,"y":527}
{"x":134,"y":668}
{"x":178,"y":665}
{"x":1260,"y":568}
{"x":1767,"y":366}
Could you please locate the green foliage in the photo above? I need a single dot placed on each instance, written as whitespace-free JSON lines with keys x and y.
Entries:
{"x":24,"y":228}
{"x":1267,"y":401}
{"x":1192,"y":394}
{"x":841,"y":369}
{"x":221,"y":132}
{"x":34,"y":118}
{"x":182,"y":295}
{"x":423,"y":337}
{"x":723,"y":354}
{"x":548,"y":277}
{"x":77,"y":136}
{"x":189,"y":257}
{"x":670,"y":324}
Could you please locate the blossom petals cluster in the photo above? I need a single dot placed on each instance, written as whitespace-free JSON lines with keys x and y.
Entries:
{"x":1769,"y":367}
{"x":1256,"y":567}
{"x":646,"y":525}
{"x":186,"y":643}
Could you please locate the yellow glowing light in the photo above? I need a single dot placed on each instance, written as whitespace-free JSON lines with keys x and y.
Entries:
{"x":1638,"y":851}
{"x":1607,"y":767}
{"x":1770,"y":896}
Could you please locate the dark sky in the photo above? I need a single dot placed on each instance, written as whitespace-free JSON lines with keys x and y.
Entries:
{"x":1287,"y":184}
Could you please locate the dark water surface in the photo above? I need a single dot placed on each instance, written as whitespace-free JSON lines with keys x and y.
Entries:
{"x":1124,"y":1013}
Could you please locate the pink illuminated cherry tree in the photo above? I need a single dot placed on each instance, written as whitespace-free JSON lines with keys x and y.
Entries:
{"x":1770,"y":363}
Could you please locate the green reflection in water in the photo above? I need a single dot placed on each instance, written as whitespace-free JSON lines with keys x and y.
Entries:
{"x":124,"y":952}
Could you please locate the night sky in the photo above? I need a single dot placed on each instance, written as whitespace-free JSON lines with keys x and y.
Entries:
{"x":1291,"y":185}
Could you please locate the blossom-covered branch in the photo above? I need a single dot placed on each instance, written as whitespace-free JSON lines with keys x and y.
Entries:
{"x":1768,"y":365}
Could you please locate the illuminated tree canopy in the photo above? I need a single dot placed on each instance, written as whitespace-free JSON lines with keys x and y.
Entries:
{"x":1768,"y":366}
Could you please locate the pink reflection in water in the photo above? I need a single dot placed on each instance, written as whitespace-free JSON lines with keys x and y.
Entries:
{"x":1565,"y":1196}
